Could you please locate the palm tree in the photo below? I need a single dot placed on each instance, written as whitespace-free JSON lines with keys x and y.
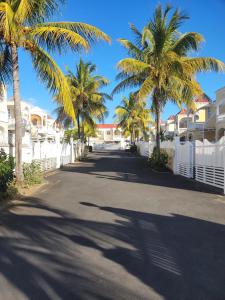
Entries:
{"x":22,"y":26}
{"x":133,"y":117}
{"x":88,"y":100}
{"x":159,"y":64}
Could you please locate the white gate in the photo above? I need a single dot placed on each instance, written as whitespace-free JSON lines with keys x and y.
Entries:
{"x":209,"y":162}
{"x":184,"y":159}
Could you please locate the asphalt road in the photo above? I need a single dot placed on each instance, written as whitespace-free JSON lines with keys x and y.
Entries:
{"x":110,"y":228}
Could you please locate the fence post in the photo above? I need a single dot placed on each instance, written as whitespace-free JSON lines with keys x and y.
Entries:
{"x":175,"y":162}
{"x":71,"y":151}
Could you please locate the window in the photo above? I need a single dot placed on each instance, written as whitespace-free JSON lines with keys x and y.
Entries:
{"x":117,"y":132}
{"x":108,"y":132}
{"x":196,"y":118}
{"x":9,"y":114}
{"x":34,"y":122}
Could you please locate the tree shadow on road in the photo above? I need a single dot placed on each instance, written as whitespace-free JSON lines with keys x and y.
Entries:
{"x":47,"y":253}
{"x":121,"y":166}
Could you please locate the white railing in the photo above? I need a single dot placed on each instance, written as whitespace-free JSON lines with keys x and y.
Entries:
{"x":196,"y":125}
{"x":209,"y":162}
{"x":3,"y":141}
{"x":3,"y":116}
{"x":220,"y":117}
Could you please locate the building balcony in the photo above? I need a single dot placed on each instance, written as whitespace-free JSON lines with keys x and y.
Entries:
{"x":3,"y":117}
{"x":197,"y":126}
{"x":11,"y":124}
{"x":220,"y":118}
{"x":3,"y":139}
{"x":42,"y":131}
{"x":181,"y":130}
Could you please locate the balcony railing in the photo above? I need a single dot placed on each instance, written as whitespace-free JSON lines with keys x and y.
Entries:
{"x":197,"y":125}
{"x":220,"y":117}
{"x":3,"y":141}
{"x":3,"y":116}
{"x":11,"y":123}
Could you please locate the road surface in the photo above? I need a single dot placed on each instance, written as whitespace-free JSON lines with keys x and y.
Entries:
{"x":110,"y":228}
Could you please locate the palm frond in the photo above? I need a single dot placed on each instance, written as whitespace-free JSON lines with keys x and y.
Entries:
{"x":132,"y":66}
{"x":129,"y":82}
{"x":204,"y":64}
{"x":186,"y":42}
{"x":52,"y":76}
{"x":146,"y":88}
{"x":5,"y":64}
{"x":133,"y":50}
{"x":56,"y":38}
{"x":90,"y":33}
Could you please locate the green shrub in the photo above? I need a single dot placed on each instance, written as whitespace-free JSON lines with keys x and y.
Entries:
{"x":158,"y":162}
{"x":10,"y":193}
{"x":6,"y":171}
{"x":32,"y":173}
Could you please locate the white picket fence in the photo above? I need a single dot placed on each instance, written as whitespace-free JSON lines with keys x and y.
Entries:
{"x":210,"y":162}
{"x":184,"y":159}
{"x":145,"y":148}
{"x":203,"y":161}
{"x":50,"y":155}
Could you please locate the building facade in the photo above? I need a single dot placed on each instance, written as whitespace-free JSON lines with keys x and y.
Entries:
{"x":40,"y":132}
{"x":108,"y":133}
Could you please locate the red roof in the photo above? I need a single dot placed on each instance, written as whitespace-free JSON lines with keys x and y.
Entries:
{"x":203,"y":99}
{"x":183,"y":111}
{"x":107,"y":126}
{"x":171,"y":117}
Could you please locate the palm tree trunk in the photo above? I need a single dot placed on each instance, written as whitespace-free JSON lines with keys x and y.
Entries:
{"x":158,"y":130}
{"x":157,"y":117}
{"x":82,"y":129}
{"x":78,"y":124}
{"x":18,"y":116}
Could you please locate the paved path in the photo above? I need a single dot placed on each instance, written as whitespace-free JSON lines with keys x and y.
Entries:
{"x":109,"y":228}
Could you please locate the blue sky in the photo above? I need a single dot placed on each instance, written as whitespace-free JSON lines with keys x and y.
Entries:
{"x":113,"y":17}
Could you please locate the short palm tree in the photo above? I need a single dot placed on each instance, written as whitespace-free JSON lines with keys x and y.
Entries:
{"x":88,"y":100}
{"x":133,"y":117}
{"x":160,"y":65}
{"x":22,"y":26}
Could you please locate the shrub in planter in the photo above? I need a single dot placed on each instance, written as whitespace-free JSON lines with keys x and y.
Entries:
{"x":32,"y":173}
{"x":6,"y":170}
{"x":158,"y":162}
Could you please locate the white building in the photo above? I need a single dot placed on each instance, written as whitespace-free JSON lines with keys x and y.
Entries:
{"x":3,"y":117}
{"x":41,"y":136}
{"x":108,"y":133}
{"x":220,"y":113}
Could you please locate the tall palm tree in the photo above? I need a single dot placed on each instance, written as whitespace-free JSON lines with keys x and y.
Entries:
{"x":160,"y":65}
{"x":133,"y":116}
{"x":22,"y":25}
{"x":88,"y":100}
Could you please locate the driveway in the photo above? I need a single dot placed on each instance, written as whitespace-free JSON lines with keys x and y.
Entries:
{"x":110,"y":228}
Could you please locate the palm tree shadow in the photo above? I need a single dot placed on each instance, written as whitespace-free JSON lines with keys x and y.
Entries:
{"x":48,"y":254}
{"x":180,"y":257}
{"x":132,"y":168}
